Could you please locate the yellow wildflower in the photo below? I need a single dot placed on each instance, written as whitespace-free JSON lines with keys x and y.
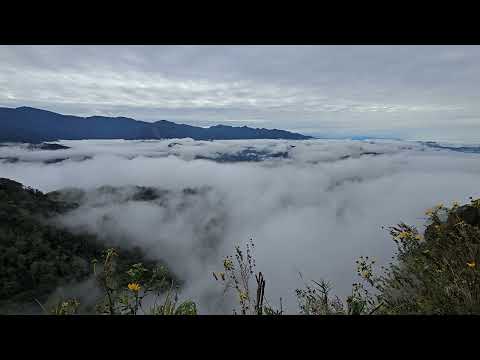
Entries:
{"x":403,"y":235}
{"x":429,"y":212}
{"x":228,"y":264}
{"x":243,"y":296}
{"x":134,"y":287}
{"x":471,"y":264}
{"x":366,"y":274}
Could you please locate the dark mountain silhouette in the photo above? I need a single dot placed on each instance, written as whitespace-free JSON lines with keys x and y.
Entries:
{"x":26,"y":124}
{"x":464,"y":149}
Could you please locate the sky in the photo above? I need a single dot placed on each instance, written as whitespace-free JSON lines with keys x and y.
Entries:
{"x":409,"y":92}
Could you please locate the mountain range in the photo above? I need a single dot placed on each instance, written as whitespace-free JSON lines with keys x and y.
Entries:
{"x":27,"y":124}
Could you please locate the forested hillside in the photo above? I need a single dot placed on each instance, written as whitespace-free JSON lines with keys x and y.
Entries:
{"x":37,"y":256}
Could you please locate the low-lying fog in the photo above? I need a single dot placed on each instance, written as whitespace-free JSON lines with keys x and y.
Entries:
{"x":310,"y":206}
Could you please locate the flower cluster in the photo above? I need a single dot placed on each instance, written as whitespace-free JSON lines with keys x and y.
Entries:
{"x":134,"y":287}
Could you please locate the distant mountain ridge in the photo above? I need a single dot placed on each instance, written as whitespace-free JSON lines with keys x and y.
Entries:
{"x":26,"y":124}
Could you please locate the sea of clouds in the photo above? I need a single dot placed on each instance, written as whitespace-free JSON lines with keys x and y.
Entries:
{"x":310,"y":206}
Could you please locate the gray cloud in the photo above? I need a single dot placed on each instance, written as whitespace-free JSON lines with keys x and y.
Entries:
{"x":411,"y":91}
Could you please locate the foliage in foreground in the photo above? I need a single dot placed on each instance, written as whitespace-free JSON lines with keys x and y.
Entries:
{"x":432,"y":274}
{"x":237,"y":276}
{"x":125,"y":293}
{"x":37,"y":256}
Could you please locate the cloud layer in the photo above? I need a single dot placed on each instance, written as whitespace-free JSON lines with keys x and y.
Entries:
{"x":315,"y":211}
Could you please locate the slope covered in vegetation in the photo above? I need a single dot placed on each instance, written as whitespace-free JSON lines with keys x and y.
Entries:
{"x":435,"y":273}
{"x":37,"y":256}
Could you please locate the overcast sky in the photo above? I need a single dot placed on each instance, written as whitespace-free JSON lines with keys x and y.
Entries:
{"x":411,"y":92}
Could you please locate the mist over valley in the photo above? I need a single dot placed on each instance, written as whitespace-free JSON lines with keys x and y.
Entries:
{"x":311,"y":206}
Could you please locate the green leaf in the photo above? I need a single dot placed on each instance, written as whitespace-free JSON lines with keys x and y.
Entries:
{"x":186,"y":308}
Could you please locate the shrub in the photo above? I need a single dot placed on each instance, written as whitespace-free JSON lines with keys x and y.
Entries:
{"x":432,"y":274}
{"x":237,"y":276}
{"x":125,"y":293}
